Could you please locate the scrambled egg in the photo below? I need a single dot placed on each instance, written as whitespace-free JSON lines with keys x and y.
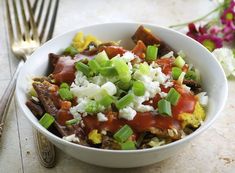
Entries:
{"x":95,"y":137}
{"x":195,"y":118}
{"x":81,"y":42}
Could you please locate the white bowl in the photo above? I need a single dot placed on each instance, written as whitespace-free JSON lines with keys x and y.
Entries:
{"x":213,"y":81}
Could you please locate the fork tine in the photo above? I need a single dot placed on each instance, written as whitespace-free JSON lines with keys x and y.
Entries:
{"x":9,"y":24}
{"x":45,"y":20}
{"x":35,"y":6}
{"x":52,"y":25}
{"x":40,"y":13}
{"x":26,"y":27}
{"x":32,"y":22}
{"x":18,"y":29}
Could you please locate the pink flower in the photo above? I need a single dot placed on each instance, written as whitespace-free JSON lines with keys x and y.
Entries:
{"x":228,"y":17}
{"x":228,"y":34}
{"x":214,"y":30}
{"x":211,"y":42}
{"x":193,"y":32}
{"x":208,"y":39}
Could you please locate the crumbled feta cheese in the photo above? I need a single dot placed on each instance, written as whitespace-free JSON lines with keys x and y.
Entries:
{"x":80,"y":79}
{"x":90,"y":91}
{"x":110,"y":88}
{"x":153,"y":88}
{"x":153,"y":72}
{"x":154,"y":65}
{"x":80,"y":107}
{"x":128,"y":56}
{"x":168,"y":84}
{"x":162,"y":94}
{"x":161,"y":77}
{"x":101,"y":117}
{"x":71,"y":138}
{"x":127,"y":113}
{"x":74,"y":112}
{"x":98,"y":80}
{"x":138,"y":106}
{"x":144,"y":108}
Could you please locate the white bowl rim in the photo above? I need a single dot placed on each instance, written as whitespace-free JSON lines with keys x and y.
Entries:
{"x":183,"y":140}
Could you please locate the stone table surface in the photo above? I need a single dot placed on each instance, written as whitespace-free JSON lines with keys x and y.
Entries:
{"x":211,"y":152}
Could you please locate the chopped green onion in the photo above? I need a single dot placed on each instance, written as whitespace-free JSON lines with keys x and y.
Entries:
{"x":108,"y":63}
{"x":190,"y":75}
{"x":108,"y":71}
{"x":125,"y":101}
{"x":46,"y":120}
{"x":128,"y":145}
{"x":72,"y":121}
{"x":123,"y":133}
{"x":102,"y":58}
{"x":83,"y":68}
{"x":94,"y":65}
{"x":151,"y":53}
{"x":144,"y":68}
{"x":176,"y":71}
{"x":71,"y":51}
{"x":164,"y":107}
{"x":179,"y":62}
{"x":120,"y":92}
{"x":64,"y":85}
{"x":32,"y":92}
{"x":181,"y":78}
{"x":106,"y":100}
{"x":122,"y":69}
{"x":173,"y":96}
{"x":138,"y":88}
{"x":124,"y":85}
{"x":65,"y":94}
{"x":92,"y":107}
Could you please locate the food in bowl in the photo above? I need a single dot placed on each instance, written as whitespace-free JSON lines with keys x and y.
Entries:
{"x":105,"y":96}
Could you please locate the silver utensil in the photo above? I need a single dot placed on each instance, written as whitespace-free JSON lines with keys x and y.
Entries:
{"x":24,"y":39}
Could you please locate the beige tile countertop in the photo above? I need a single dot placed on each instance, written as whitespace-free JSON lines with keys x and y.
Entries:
{"x":211,"y":152}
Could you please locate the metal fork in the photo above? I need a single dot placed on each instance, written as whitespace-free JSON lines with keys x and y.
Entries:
{"x":23,"y":43}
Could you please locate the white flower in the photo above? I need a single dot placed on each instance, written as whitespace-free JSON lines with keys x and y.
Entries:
{"x":226,"y":58}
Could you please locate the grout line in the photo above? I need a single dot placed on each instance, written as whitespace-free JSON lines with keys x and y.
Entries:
{"x":14,"y":102}
{"x":18,"y":129}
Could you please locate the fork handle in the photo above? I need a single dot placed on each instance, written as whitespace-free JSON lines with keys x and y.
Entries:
{"x":7,"y":97}
{"x":45,"y":148}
